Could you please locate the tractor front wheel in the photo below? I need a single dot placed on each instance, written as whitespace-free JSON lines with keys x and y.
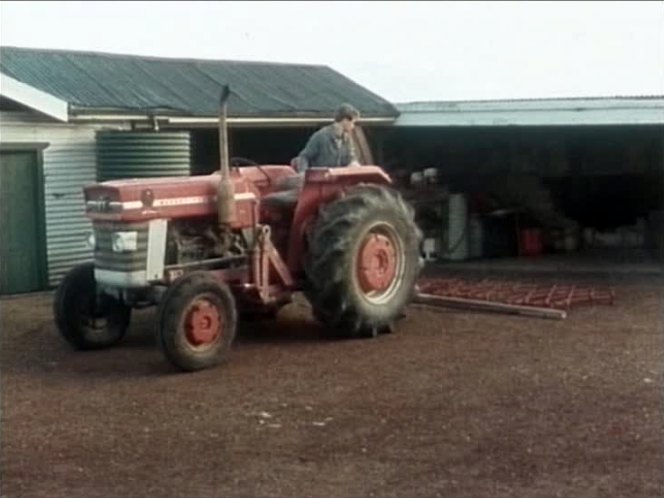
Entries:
{"x":85,"y":319}
{"x":196,"y":322}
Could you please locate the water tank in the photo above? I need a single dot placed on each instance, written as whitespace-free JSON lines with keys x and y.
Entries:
{"x":475,"y":236}
{"x":145,"y":154}
{"x":457,"y":228}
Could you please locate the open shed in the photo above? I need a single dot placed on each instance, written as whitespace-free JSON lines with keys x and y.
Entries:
{"x":556,"y":179}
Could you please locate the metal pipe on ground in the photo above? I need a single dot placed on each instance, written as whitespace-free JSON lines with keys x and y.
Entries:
{"x":473,"y":304}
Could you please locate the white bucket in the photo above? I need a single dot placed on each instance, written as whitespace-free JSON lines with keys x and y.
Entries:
{"x":430,"y":249}
{"x":430,"y":176}
{"x":416,"y":178}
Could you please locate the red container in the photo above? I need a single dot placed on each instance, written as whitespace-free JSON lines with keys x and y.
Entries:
{"x":530,"y":242}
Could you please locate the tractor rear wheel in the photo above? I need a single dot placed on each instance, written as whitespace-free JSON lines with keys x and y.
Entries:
{"x":363,"y":261}
{"x":196,"y":322}
{"x":87,"y":320}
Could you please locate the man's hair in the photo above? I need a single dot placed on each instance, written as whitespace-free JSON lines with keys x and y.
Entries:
{"x":346,"y":111}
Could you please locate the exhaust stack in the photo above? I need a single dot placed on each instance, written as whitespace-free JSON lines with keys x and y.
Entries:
{"x":225,"y":191}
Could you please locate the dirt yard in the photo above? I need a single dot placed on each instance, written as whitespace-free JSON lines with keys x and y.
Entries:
{"x":453,"y":404}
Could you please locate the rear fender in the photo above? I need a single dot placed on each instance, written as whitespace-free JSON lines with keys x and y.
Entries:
{"x":350,"y":175}
{"x":322,"y":186}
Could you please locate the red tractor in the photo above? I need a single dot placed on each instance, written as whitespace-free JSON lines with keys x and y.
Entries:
{"x":209,"y":250}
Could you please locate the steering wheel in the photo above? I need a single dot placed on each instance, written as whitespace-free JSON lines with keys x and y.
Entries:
{"x":238,"y":162}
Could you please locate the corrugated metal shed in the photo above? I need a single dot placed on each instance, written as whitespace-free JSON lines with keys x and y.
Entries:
{"x":535,"y":112}
{"x":122,"y":83}
{"x":69,"y":163}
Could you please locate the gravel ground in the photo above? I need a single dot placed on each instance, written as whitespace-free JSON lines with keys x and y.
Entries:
{"x":452,"y":404}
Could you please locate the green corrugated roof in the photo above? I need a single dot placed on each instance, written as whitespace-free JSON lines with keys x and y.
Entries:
{"x":126,"y":83}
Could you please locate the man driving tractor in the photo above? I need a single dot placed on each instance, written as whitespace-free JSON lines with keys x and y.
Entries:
{"x":332,"y":145}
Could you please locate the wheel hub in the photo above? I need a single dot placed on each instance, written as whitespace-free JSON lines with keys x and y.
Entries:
{"x":202,"y":323}
{"x":377,"y":263}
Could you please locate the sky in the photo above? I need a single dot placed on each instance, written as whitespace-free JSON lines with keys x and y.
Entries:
{"x":403,"y":51}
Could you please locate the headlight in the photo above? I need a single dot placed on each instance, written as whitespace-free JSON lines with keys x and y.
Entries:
{"x":124,"y":241}
{"x":91,"y":240}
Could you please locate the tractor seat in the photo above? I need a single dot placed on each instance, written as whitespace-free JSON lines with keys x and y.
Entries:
{"x":286,"y":194}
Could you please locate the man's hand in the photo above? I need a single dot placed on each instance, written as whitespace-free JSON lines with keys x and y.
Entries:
{"x":299,"y":164}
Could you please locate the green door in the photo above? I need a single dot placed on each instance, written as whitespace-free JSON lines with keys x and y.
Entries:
{"x":22,"y":267}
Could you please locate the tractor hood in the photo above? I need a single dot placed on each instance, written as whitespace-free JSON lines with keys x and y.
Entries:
{"x":166,"y":197}
{"x":176,"y":197}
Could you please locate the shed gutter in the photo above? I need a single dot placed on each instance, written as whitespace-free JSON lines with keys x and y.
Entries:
{"x":609,"y":112}
{"x":183,"y":121}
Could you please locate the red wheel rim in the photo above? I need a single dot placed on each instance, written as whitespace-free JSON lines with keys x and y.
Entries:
{"x":378,"y":263}
{"x":203,"y":325}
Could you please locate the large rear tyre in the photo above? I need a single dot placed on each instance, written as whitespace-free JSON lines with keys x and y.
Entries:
{"x":84,"y":319}
{"x":363,"y":261}
{"x":196,"y":322}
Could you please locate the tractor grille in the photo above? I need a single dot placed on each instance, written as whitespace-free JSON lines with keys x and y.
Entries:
{"x":107,"y":259}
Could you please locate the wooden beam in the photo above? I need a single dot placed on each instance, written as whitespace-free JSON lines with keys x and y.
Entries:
{"x":364,"y":154}
{"x":33,"y":98}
